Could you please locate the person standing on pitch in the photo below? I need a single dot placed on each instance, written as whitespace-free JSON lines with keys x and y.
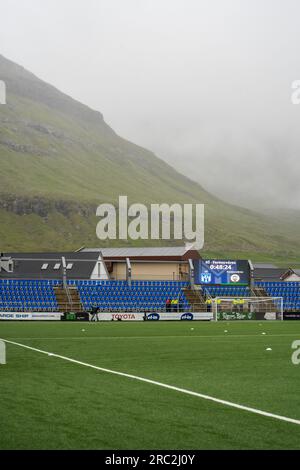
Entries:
{"x":94,"y":313}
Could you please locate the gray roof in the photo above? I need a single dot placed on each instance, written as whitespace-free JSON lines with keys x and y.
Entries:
{"x":268,"y":274}
{"x":264,"y":266}
{"x":29,"y":265}
{"x":54,"y":255}
{"x":139,"y":251}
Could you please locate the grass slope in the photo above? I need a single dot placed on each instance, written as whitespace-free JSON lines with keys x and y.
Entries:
{"x":47,"y":403}
{"x":60,"y":160}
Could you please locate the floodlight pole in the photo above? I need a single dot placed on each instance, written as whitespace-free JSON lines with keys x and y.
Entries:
{"x":64,"y":270}
{"x":252,"y":283}
{"x":128,"y":272}
{"x":192,"y":273}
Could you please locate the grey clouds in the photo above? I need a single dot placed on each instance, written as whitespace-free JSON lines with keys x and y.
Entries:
{"x":205,"y":84}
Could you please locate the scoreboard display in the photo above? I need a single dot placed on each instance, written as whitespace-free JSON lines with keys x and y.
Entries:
{"x":222,"y":272}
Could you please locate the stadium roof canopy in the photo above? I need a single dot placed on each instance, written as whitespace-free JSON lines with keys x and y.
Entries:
{"x":174,"y":253}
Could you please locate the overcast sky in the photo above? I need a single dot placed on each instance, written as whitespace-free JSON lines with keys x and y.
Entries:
{"x":205,"y":84}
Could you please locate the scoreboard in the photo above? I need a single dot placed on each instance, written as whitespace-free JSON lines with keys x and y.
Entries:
{"x":222,"y":272}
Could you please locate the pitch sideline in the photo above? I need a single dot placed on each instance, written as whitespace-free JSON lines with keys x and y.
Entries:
{"x":160,"y":384}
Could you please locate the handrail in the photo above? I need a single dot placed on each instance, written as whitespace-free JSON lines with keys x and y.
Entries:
{"x":66,"y":288}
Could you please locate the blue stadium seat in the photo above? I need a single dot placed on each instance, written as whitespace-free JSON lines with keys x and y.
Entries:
{"x":27,"y":295}
{"x":289,"y":291}
{"x":141,"y":296}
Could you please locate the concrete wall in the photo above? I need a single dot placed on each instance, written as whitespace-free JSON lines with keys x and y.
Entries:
{"x":152,"y":271}
{"x":292,"y":278}
{"x":119,"y":271}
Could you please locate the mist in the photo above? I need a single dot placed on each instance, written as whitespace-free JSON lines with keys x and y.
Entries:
{"x":205,"y":84}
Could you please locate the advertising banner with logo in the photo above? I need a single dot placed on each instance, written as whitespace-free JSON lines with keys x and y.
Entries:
{"x":72,"y":316}
{"x":271,"y":316}
{"x":38,"y":316}
{"x":291,"y":316}
{"x":155,"y":316}
{"x":177,"y":316}
{"x":119,"y":316}
{"x":236,"y":316}
{"x":222,"y":272}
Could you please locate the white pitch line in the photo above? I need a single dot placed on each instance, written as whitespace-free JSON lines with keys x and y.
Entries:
{"x":189,"y":336}
{"x":160,"y":384}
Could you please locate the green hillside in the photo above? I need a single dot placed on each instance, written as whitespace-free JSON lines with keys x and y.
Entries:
{"x":59,"y":160}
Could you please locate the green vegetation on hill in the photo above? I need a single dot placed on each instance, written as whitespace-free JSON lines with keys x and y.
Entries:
{"x":59,"y":160}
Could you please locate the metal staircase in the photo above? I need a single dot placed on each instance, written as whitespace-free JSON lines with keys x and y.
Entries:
{"x":195,"y":298}
{"x":68,"y":299}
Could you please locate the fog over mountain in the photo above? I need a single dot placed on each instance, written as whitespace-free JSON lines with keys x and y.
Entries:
{"x":205,"y":84}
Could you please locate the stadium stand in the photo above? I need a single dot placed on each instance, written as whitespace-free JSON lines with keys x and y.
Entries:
{"x":42,"y":282}
{"x":140,"y":296}
{"x":40,"y":295}
{"x":290,"y":291}
{"x":28,"y":295}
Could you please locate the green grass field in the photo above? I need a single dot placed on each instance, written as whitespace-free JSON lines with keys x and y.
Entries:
{"x":49,"y":403}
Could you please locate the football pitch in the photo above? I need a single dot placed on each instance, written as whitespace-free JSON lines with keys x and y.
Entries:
{"x":170,"y":372}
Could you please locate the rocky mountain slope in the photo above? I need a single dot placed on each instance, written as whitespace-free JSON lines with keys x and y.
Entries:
{"x":59,"y":160}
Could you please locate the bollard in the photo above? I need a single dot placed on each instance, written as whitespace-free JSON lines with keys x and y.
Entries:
{"x":2,"y":352}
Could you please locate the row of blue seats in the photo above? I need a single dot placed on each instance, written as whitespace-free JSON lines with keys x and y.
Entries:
{"x":277,"y":284}
{"x":27,"y":308}
{"x":136,"y":293}
{"x":93,"y":300}
{"x":292,"y":292}
{"x":136,"y":297}
{"x":29,"y":297}
{"x":106,"y":283}
{"x":127,"y":307}
{"x":26,"y":289}
{"x":228,"y":291}
{"x":131,"y":287}
{"x":30,"y":282}
{"x":111,"y":283}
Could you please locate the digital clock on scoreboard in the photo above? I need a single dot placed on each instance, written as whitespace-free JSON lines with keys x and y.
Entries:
{"x":222,"y":272}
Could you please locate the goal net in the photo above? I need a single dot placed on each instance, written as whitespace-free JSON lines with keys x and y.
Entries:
{"x":247,"y":308}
